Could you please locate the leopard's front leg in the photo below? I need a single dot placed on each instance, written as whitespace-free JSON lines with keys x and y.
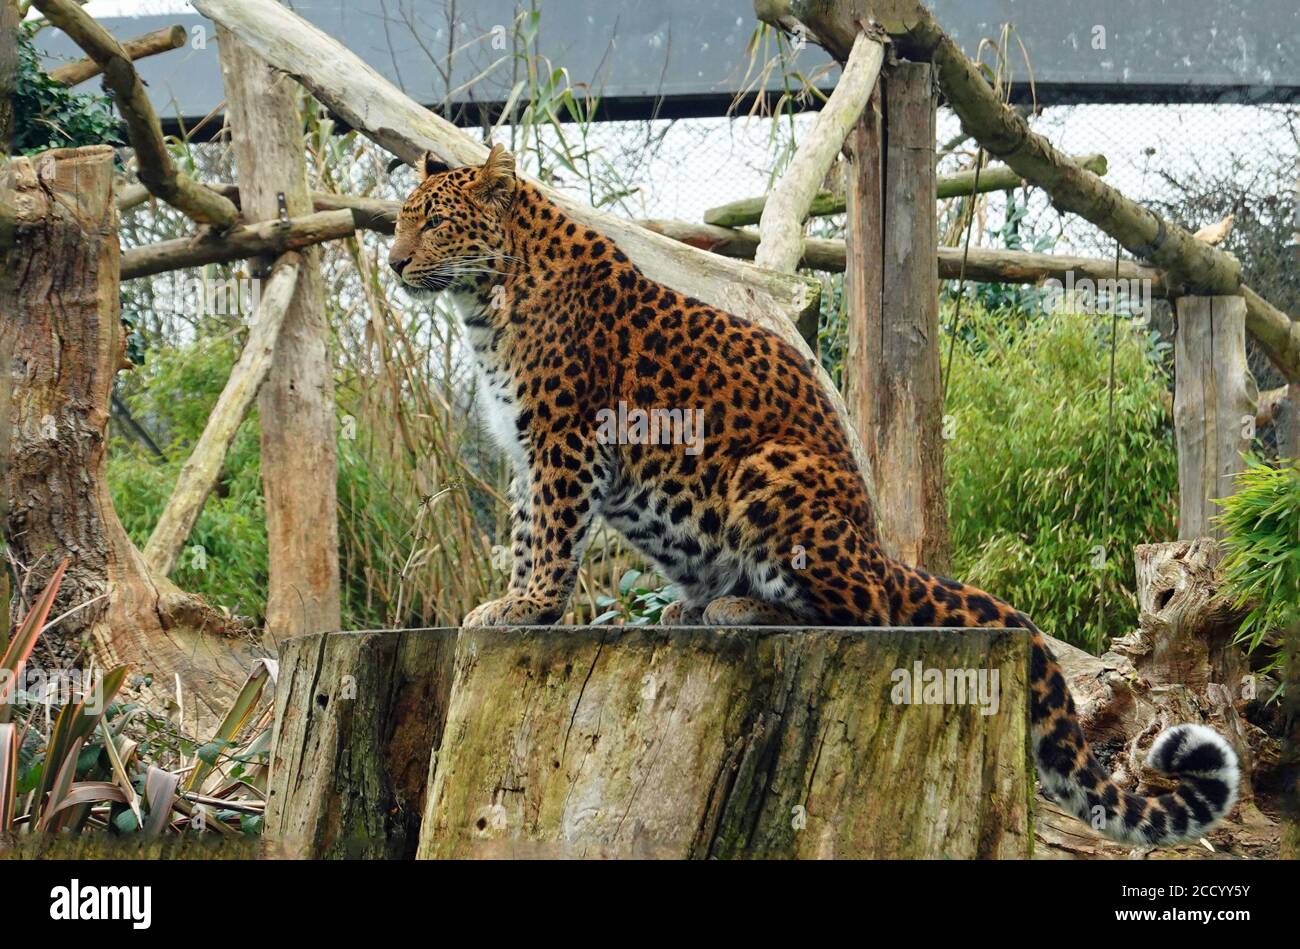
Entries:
{"x":567,"y":477}
{"x":521,"y":537}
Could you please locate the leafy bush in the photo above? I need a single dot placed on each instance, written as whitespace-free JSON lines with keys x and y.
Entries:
{"x":1262,"y":567}
{"x":1025,"y":466}
{"x":48,"y":114}
{"x":173,"y":395}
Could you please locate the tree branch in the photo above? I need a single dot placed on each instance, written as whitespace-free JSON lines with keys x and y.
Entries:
{"x":254,"y":240}
{"x":159,"y":41}
{"x":158,"y":172}
{"x":781,"y":227}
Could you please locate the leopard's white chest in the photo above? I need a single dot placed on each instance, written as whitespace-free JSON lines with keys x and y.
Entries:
{"x":496,"y":390}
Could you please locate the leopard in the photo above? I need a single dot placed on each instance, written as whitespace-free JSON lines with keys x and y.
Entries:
{"x":563,"y":326}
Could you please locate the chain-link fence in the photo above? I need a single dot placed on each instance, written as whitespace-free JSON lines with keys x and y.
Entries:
{"x":1193,"y":163}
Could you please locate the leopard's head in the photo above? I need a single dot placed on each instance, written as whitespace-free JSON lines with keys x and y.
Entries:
{"x":452,"y":228}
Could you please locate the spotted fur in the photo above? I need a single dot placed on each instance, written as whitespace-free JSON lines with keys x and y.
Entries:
{"x":769,"y":523}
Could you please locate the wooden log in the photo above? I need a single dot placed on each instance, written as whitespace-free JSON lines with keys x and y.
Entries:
{"x":698,"y":742}
{"x":983,"y":264}
{"x":265,"y":237}
{"x":157,"y":170}
{"x":1185,"y":652}
{"x":198,"y":476}
{"x":357,"y":716}
{"x":748,"y":211}
{"x":296,"y":404}
{"x":903,"y":414}
{"x":1180,"y":665}
{"x":150,"y":44}
{"x":781,"y":226}
{"x":1215,"y":400}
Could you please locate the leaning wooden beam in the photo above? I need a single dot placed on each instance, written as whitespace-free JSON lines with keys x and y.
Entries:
{"x":200,"y":472}
{"x":1203,"y":269}
{"x":996,"y":178}
{"x":983,"y":265}
{"x":781,"y":228}
{"x":369,"y":103}
{"x":157,"y":170}
{"x":267,"y":237}
{"x":159,"y":41}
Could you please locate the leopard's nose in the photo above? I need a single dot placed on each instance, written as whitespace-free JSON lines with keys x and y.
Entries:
{"x":398,"y":263}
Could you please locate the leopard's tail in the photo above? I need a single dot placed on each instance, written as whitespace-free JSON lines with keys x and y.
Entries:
{"x":1202,"y":761}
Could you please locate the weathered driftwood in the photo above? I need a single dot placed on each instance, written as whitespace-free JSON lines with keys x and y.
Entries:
{"x":1179,"y":665}
{"x":157,"y":170}
{"x":698,"y":742}
{"x":748,"y":211}
{"x":61,"y":322}
{"x":1215,"y":400}
{"x":357,"y":716}
{"x":781,"y":226}
{"x":893,"y":316}
{"x":1006,"y":135}
{"x":150,"y":44}
{"x":354,"y":91}
{"x":198,"y":476}
{"x":296,"y":404}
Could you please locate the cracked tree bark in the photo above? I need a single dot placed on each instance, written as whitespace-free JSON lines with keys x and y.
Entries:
{"x":750,"y":743}
{"x":62,"y":342}
{"x":357,"y":716}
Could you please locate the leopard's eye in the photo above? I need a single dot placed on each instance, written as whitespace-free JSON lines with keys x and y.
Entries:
{"x":433,"y":221}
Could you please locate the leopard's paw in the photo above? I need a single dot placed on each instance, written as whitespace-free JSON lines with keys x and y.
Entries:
{"x":746,"y":611}
{"x":680,"y":613}
{"x":510,"y":610}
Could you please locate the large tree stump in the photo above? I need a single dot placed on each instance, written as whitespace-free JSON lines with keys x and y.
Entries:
{"x":697,"y":742}
{"x":357,"y":716}
{"x":61,"y":343}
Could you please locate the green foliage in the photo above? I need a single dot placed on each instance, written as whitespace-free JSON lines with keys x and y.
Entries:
{"x":1262,"y":567}
{"x":173,"y":395}
{"x":1025,"y":466}
{"x":50,"y":115}
{"x":638,"y":603}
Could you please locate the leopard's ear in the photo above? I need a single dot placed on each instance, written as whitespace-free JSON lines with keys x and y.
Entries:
{"x":495,"y":182}
{"x":430,"y":165}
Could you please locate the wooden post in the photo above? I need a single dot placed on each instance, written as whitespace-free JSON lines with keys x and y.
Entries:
{"x":893,"y":288}
{"x":296,"y":403}
{"x":357,"y":716}
{"x":691,"y":742}
{"x":1214,"y":406}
